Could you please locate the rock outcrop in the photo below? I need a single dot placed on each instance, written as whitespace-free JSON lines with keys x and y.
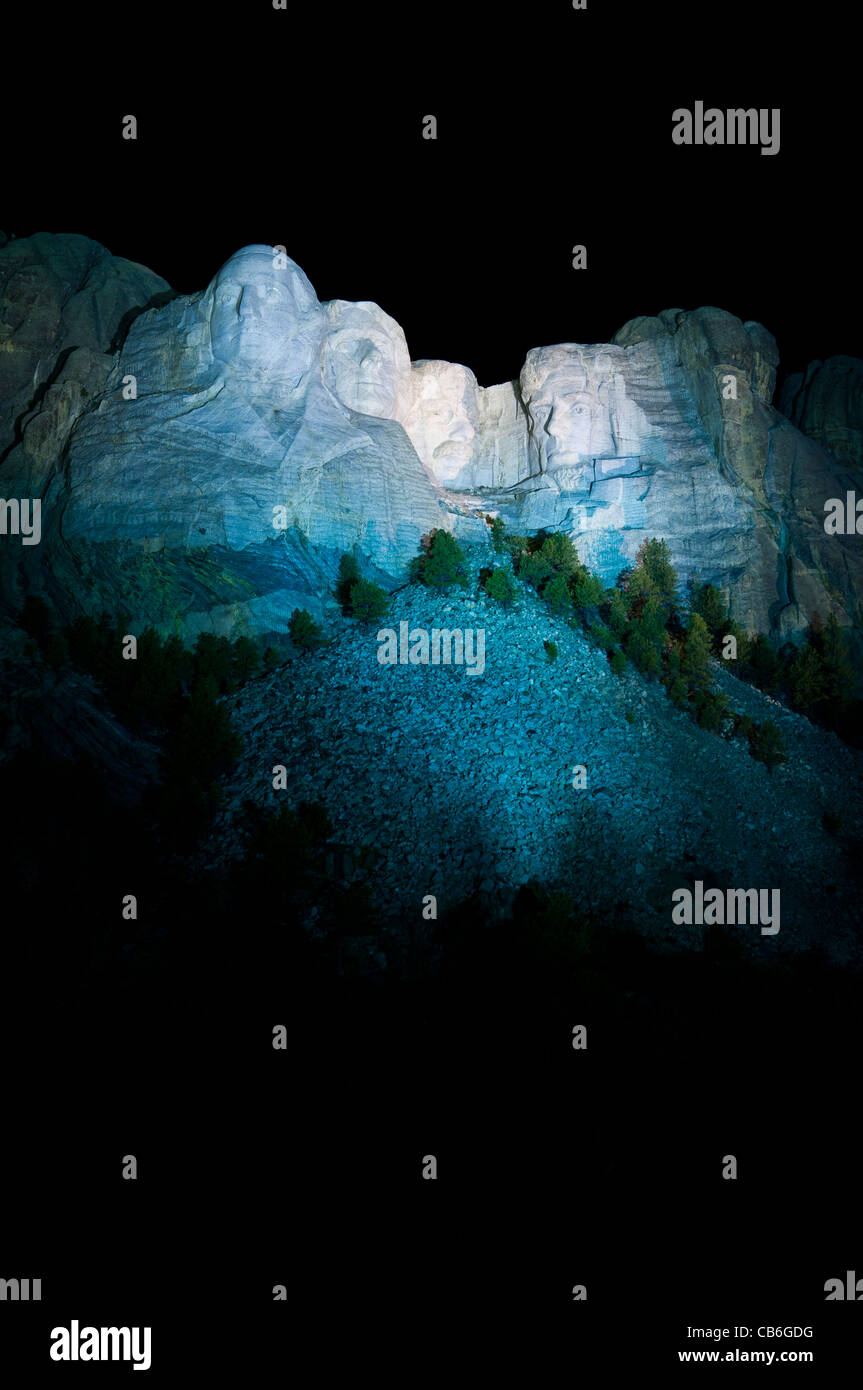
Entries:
{"x":670,"y":431}
{"x":204,"y":463}
{"x":216,"y":479}
{"x":58,"y":293}
{"x":826,"y":403}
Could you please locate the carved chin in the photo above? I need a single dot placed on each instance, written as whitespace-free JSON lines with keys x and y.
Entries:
{"x":371,"y":401}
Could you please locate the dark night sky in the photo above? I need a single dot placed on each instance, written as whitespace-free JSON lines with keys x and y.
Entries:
{"x":304,"y":128}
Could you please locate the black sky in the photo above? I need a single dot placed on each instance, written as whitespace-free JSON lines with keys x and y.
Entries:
{"x":304,"y":128}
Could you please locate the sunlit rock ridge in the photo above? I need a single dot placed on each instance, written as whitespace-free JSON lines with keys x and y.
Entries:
{"x":203,"y":460}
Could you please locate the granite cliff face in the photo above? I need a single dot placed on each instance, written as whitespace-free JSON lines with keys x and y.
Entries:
{"x":60,"y":295}
{"x":826,"y":402}
{"x":204,"y":460}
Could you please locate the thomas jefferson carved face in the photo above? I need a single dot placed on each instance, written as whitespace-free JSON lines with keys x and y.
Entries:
{"x":365,"y":360}
{"x":266,"y":325}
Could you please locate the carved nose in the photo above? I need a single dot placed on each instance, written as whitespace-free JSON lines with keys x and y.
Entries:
{"x":249,"y":307}
{"x":461,"y":431}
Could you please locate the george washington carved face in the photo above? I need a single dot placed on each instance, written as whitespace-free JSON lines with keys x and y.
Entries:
{"x":266,"y":325}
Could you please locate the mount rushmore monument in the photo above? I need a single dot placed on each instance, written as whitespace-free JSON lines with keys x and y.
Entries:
{"x":204,"y":460}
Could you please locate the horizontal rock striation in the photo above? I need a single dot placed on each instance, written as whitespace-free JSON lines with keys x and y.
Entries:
{"x":203,"y":460}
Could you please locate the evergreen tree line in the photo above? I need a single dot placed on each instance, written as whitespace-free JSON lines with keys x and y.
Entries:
{"x":816,"y":678}
{"x":99,"y":848}
{"x":173,"y":696}
{"x":169,"y":694}
{"x":639,"y":620}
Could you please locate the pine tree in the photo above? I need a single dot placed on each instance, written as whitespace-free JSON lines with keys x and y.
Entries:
{"x":246,"y":659}
{"x":677,"y":692}
{"x":711,"y":708}
{"x":213,"y":657}
{"x":764,"y":663}
{"x":696,"y":653}
{"x":642,"y":652}
{"x":767,"y":745}
{"x":587,"y":589}
{"x":535,"y":569}
{"x":617,"y":613}
{"x":304,"y":631}
{"x":500,"y":586}
{"x":653,"y":573}
{"x":557,"y":596}
{"x":498,"y":533}
{"x":838,"y":672}
{"x":444,"y":564}
{"x":199,"y":749}
{"x":349,"y":573}
{"x":707,"y":601}
{"x":808,"y":684}
{"x":515,"y":545}
{"x":368,"y":602}
{"x":560,"y":553}
{"x":602,"y":636}
{"x":652,"y":621}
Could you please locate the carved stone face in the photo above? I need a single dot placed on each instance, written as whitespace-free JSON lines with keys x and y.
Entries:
{"x":442,"y":419}
{"x":365,"y":361}
{"x":570,"y":397}
{"x":266,"y":325}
